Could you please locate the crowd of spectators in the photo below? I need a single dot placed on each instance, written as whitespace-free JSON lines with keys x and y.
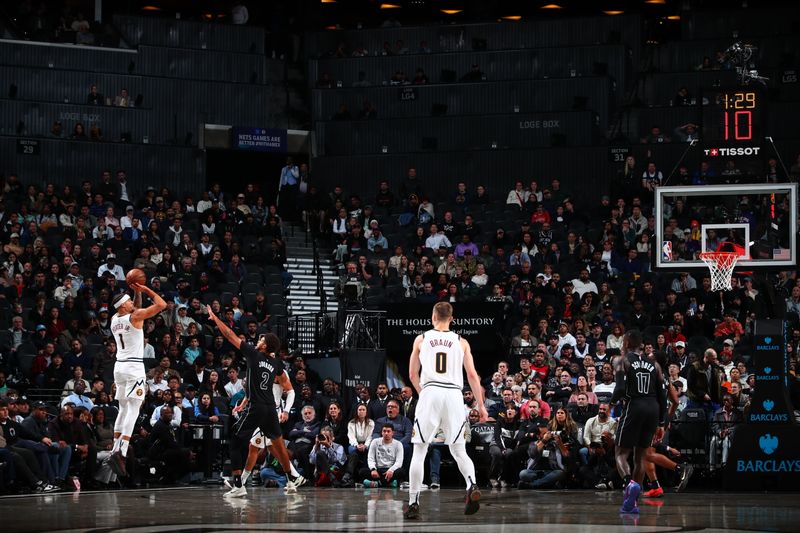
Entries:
{"x":571,"y":280}
{"x":65,"y":252}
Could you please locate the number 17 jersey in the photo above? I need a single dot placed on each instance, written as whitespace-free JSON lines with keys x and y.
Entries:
{"x":442,"y":360}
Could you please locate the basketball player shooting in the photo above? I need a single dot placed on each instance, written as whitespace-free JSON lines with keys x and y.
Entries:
{"x":129,"y":374}
{"x":640,"y":381}
{"x":263,"y":370}
{"x":435,"y":370}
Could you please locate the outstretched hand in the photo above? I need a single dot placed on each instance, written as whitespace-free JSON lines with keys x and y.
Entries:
{"x":211,"y":313}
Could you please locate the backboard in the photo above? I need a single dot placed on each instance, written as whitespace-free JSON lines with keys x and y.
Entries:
{"x":692,"y":219}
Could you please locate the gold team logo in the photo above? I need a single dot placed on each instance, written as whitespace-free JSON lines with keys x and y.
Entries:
{"x":139,"y":392}
{"x":413,"y":432}
{"x":258,"y":441}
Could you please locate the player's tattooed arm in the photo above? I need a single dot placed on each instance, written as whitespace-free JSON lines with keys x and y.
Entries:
{"x":620,"y":372}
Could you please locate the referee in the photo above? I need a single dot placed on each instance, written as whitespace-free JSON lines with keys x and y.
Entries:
{"x":640,"y":385}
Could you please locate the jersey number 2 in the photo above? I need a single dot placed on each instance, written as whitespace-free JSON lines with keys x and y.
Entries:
{"x":264,"y":381}
{"x":441,"y":362}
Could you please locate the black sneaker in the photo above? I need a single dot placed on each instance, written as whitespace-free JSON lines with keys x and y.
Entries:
{"x":117,"y":463}
{"x":686,"y":473}
{"x":472,"y":500}
{"x":412,"y":513}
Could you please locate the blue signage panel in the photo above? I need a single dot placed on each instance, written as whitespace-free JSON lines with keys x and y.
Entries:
{"x":260,"y":139}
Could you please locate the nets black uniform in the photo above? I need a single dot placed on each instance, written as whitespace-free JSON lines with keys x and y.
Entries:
{"x":260,"y":412}
{"x":641,"y":384}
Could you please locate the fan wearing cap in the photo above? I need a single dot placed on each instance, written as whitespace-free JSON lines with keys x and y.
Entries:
{"x":14,"y":245}
{"x":129,"y":373}
{"x":111,"y":266}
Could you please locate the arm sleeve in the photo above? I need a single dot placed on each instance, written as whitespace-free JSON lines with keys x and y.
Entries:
{"x":398,"y":456}
{"x":371,"y":456}
{"x":351,"y":434}
{"x":289,"y":401}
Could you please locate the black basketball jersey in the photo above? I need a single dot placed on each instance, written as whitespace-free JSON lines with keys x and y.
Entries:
{"x":261,"y":373}
{"x":642,"y":378}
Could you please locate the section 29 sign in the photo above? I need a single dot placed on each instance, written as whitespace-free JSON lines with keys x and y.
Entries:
{"x":480,"y":323}
{"x":260,"y":139}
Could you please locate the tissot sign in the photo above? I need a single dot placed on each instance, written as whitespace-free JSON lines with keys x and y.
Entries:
{"x":479,"y":323}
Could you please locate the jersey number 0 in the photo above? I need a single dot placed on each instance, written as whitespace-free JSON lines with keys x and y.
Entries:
{"x":441,"y":362}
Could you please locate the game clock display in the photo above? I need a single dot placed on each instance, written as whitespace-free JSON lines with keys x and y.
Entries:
{"x":735,"y":117}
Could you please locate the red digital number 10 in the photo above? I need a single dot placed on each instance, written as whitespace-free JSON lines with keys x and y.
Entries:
{"x":741,"y":119}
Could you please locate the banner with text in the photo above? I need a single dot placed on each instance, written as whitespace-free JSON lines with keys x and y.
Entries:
{"x":361,"y":367}
{"x":479,"y":323}
{"x":260,"y":139}
{"x":770,"y":402}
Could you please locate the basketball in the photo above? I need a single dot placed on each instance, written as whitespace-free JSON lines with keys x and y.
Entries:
{"x":135,"y":275}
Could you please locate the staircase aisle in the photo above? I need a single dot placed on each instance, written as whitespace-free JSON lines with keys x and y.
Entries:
{"x":300,"y":264}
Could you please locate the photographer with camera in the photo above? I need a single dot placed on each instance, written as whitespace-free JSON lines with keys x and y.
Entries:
{"x":328,"y":457}
{"x":551,"y":456}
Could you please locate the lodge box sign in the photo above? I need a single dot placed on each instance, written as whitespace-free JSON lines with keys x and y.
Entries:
{"x":479,"y":323}
{"x":770,"y":403}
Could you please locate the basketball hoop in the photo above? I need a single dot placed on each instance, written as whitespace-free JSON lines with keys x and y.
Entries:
{"x":721,"y":265}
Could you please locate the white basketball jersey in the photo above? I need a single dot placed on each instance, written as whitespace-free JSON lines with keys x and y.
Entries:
{"x":130,"y":340}
{"x":442,"y":359}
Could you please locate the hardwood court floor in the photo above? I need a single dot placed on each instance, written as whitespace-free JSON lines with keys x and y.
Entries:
{"x":202,"y":509}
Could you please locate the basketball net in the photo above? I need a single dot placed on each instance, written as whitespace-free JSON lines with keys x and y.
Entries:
{"x":721,"y":265}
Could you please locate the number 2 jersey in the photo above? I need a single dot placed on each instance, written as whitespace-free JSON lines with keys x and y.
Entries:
{"x":442,"y":360}
{"x":129,"y":339}
{"x":261,"y":373}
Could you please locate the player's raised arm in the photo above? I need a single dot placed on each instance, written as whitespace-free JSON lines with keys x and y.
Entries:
{"x":140,"y":315}
{"x":474,"y":380}
{"x":414,"y":366}
{"x":225,"y":330}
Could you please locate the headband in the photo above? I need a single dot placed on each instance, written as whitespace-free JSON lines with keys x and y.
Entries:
{"x":121,"y":301}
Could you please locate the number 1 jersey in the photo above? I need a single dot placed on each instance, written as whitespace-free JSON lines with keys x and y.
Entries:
{"x":129,"y":339}
{"x":442,"y":359}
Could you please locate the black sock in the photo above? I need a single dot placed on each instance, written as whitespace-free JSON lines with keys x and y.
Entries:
{"x":237,"y":480}
{"x":654,"y":484}
{"x":626,"y":481}
{"x":678,"y":469}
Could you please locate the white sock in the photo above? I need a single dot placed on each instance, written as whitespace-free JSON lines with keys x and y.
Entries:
{"x":123,"y":446}
{"x":293,"y":470}
{"x":245,"y":476}
{"x":115,"y":447}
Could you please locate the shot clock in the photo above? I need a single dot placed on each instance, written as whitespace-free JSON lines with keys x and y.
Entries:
{"x":733,"y":130}
{"x":738,"y":116}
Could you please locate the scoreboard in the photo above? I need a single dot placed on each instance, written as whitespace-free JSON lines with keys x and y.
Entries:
{"x":733,"y":129}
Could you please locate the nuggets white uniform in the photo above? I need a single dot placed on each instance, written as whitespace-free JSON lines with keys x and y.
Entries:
{"x":441,"y":403}
{"x":129,"y":374}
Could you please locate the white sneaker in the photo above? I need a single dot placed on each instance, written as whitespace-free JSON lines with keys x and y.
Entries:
{"x":236,"y":492}
{"x":503,"y":484}
{"x":227,"y":482}
{"x":601,"y":486}
{"x":435,"y":485}
{"x":495,"y":483}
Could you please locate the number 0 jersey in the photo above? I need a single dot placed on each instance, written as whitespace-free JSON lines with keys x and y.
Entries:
{"x":129,"y":339}
{"x":442,"y":359}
